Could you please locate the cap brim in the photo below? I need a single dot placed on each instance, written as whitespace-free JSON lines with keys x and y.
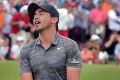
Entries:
{"x":32,"y":8}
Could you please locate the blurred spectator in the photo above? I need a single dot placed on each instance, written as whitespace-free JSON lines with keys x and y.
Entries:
{"x":15,"y":49}
{"x":114,"y":18}
{"x":11,"y":6}
{"x":20,"y":22}
{"x":107,"y":5}
{"x":70,"y":20}
{"x":91,"y":51}
{"x":81,"y":24}
{"x":110,"y":43}
{"x":52,"y":2}
{"x":63,"y":19}
{"x":70,"y":5}
{"x":117,"y":50}
{"x":98,"y":19}
{"x":4,"y":48}
{"x":95,"y":2}
{"x":26,"y":23}
{"x":24,"y":2}
{"x":87,"y":56}
{"x":94,"y":45}
{"x":87,"y":5}
{"x":1,"y":51}
{"x":66,"y":19}
{"x":61,"y":3}
{"x":7,"y":25}
{"x":74,"y":32}
{"x":2,"y":16}
{"x":103,"y":56}
{"x":20,"y":3}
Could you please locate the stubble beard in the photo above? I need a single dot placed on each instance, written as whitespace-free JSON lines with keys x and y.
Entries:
{"x":40,"y":30}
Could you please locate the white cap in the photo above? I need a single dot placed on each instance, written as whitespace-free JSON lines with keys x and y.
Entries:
{"x":95,"y":37}
{"x":24,"y":8}
{"x":20,"y":38}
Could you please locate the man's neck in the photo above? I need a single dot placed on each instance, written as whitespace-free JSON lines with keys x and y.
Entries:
{"x":47,"y":37}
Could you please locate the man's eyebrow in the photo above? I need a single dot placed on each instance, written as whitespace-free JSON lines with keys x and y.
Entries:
{"x":41,"y":11}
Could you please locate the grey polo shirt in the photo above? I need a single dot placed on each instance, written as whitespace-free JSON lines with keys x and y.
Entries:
{"x":51,"y":63}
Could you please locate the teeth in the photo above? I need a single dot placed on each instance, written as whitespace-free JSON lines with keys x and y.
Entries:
{"x":37,"y":22}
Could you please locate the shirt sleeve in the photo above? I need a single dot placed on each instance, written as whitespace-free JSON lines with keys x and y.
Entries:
{"x":24,"y":61}
{"x":73,"y":56}
{"x":113,"y":16}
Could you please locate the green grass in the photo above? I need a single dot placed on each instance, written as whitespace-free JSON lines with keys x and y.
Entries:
{"x":100,"y":72}
{"x":9,"y":70}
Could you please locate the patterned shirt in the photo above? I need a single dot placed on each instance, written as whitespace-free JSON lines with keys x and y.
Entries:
{"x":51,"y":63}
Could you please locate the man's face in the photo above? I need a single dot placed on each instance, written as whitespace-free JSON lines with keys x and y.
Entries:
{"x":42,"y":20}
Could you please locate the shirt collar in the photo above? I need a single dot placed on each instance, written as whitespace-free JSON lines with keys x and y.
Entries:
{"x":57,"y":37}
{"x":55,"y":41}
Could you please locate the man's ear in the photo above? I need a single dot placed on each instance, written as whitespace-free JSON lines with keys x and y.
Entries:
{"x":54,"y":19}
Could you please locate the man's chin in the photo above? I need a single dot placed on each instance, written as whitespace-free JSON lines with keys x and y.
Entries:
{"x":38,"y":30}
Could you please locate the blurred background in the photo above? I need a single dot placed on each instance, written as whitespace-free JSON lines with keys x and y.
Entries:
{"x":93,"y":24}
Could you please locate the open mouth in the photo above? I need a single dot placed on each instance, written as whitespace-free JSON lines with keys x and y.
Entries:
{"x":37,"y":23}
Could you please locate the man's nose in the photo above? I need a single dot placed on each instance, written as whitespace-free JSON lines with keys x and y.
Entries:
{"x":35,"y":18}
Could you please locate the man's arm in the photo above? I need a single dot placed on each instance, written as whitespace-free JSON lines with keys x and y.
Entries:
{"x":26,"y":76}
{"x":73,"y":73}
{"x":25,"y":66}
{"x":110,"y":41}
{"x":73,"y":63}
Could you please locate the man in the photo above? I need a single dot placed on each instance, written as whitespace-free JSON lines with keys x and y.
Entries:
{"x":50,"y":56}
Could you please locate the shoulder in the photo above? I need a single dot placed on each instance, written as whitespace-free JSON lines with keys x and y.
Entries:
{"x":28,"y":46}
{"x":111,"y":12}
{"x":67,"y":42}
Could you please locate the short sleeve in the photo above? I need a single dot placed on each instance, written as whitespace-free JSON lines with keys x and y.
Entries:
{"x":24,"y":61}
{"x":73,"y":56}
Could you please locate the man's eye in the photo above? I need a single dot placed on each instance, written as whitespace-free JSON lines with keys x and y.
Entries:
{"x":41,"y":13}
